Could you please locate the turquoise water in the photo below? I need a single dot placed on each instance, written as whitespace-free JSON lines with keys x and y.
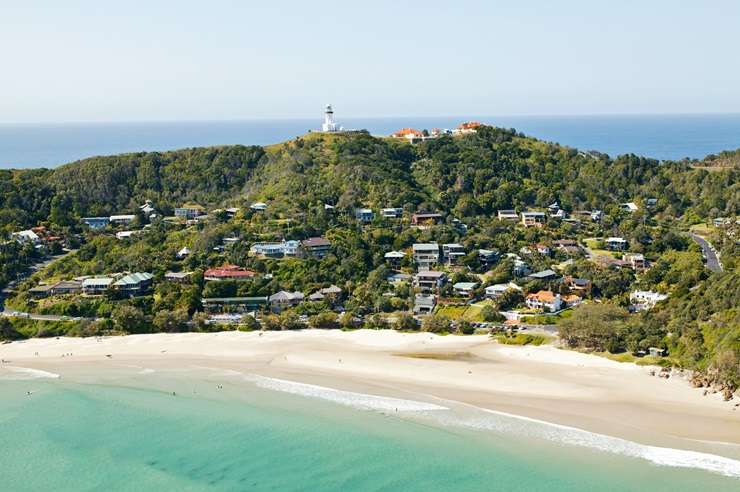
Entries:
{"x":657,"y":136}
{"x":134,"y":434}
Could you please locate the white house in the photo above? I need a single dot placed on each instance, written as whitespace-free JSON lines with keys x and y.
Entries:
{"x":616,"y":243}
{"x":391,"y":213}
{"x":465,"y":288}
{"x":508,"y":215}
{"x":258,"y":206}
{"x":629,"y":207}
{"x":27,"y":236}
{"x":426,"y":254}
{"x":497,"y":290}
{"x":646,"y":299}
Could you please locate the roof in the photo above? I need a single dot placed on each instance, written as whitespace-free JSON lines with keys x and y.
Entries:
{"x":533,"y":214}
{"x":543,"y":274}
{"x":395,"y":254}
{"x":426,"y":247}
{"x":398,"y":277}
{"x":431,"y":274}
{"x":469,"y":125}
{"x":313,"y":242}
{"x":258,"y":206}
{"x":284,"y":295}
{"x":452,"y":245}
{"x":465,"y":285}
{"x":316,"y":296}
{"x":228,"y":271}
{"x":543,"y":296}
{"x":134,"y":279}
{"x":427,"y":215}
{"x":89,"y":282}
{"x":615,"y":240}
{"x":177,"y":274}
{"x":207,"y":300}
{"x":332,"y":289}
{"x":507,"y":212}
{"x":407,"y":131}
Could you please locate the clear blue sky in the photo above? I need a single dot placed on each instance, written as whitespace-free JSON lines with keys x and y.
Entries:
{"x":171,"y":60}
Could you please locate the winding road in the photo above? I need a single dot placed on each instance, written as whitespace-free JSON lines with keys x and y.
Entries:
{"x":710,"y":254}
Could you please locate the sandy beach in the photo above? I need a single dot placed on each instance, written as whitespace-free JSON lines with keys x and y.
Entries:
{"x":544,"y":383}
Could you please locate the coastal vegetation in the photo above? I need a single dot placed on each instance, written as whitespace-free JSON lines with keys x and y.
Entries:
{"x":312,"y":186}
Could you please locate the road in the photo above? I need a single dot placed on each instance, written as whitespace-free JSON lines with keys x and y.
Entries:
{"x":710,"y":254}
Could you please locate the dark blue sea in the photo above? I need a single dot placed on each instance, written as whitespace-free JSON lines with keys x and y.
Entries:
{"x":658,"y":136}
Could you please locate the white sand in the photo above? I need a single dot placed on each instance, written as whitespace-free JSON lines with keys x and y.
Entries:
{"x":545,"y":383}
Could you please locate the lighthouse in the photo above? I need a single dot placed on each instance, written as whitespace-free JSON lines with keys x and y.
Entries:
{"x":329,"y":124}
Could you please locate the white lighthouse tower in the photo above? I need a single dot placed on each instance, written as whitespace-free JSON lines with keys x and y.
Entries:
{"x":329,"y":124}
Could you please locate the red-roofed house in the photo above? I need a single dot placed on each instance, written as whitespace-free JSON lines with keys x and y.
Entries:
{"x":228,"y":272}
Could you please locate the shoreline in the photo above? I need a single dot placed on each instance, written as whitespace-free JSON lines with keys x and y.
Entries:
{"x":557,"y":387}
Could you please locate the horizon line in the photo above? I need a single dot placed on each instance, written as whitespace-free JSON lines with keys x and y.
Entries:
{"x":349,"y":118}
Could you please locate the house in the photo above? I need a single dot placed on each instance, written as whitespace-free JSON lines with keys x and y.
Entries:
{"x":410,"y":134}
{"x":487,"y":257}
{"x":121,"y":219}
{"x":542,"y":249}
{"x":364,"y":215}
{"x":519,"y":267}
{"x":316,"y":247}
{"x":544,"y":300}
{"x":126,"y":234}
{"x":134,"y":283}
{"x":616,"y":243}
{"x":543,"y":275}
{"x":643,"y":300}
{"x":426,"y":255}
{"x":234,"y":304}
{"x":96,"y":223}
{"x":508,"y":215}
{"x":39,"y":291}
{"x":453,"y":252}
{"x":629,"y":207}
{"x":27,"y":236}
{"x":275,"y":250}
{"x":397,"y":278}
{"x":258,"y":206}
{"x":96,"y":285}
{"x":567,"y":246}
{"x":65,"y":287}
{"x":231,"y":212}
{"x":497,"y":290}
{"x":391,"y":213}
{"x":430,"y":280}
{"x":464,"y":288}
{"x":148,"y":209}
{"x":651,"y":202}
{"x":426,"y":218}
{"x":189,"y":211}
{"x":228,"y":272}
{"x":184,"y":252}
{"x":597,"y":215}
{"x":536,"y":219}
{"x":394,"y":258}
{"x":284,"y":300}
{"x":178,"y":277}
{"x":467,"y":127}
{"x":330,"y":293}
{"x":578,"y":284}
{"x":635,"y":260}
{"x":424,"y":304}
{"x":560,"y":215}
{"x":656,"y":352}
{"x":553,"y":208}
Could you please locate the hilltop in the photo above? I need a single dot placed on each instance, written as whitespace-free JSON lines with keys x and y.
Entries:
{"x":475,"y":174}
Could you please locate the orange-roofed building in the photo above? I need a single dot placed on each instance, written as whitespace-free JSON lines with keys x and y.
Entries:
{"x":545,"y":300}
{"x":409,"y":133}
{"x":228,"y":272}
{"x":468,"y":127}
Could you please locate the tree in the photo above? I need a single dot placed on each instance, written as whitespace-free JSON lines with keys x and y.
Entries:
{"x":595,"y":326}
{"x":490,"y":314}
{"x":465,"y":327}
{"x":324,"y":320}
{"x":249,"y":323}
{"x":130,"y":319}
{"x":171,"y":321}
{"x":436,"y":324}
{"x":7,"y":330}
{"x":406,"y":322}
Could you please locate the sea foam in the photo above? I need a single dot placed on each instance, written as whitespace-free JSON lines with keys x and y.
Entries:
{"x":520,"y":425}
{"x":352,"y":399}
{"x":23,"y":373}
{"x":493,"y":420}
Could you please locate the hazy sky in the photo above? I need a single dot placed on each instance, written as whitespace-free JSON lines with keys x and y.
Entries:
{"x":80,"y":60}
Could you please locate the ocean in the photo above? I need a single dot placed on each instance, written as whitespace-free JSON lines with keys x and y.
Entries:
{"x":657,"y":136}
{"x":198,"y":428}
